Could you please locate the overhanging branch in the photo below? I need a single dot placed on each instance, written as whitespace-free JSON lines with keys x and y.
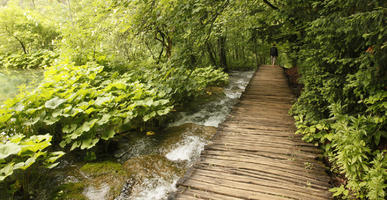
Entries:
{"x":271,"y":5}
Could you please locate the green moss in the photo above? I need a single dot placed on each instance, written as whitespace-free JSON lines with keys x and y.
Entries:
{"x":150,"y":166}
{"x":107,"y":172}
{"x":70,"y":191}
{"x":101,"y":168}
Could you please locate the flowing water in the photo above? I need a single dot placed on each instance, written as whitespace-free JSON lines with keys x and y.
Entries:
{"x":215,"y":112}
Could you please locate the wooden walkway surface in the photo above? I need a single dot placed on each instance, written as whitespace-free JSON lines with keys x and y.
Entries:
{"x":255,"y":154}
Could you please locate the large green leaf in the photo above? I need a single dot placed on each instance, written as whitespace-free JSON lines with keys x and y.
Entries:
{"x":54,"y":156}
{"x":149,"y":116}
{"x":102,"y":100}
{"x":54,"y":103}
{"x":68,"y":128}
{"x":6,"y":171}
{"x":108,"y":134}
{"x":89,"y":142}
{"x":8,"y":149}
{"x":105,"y":119}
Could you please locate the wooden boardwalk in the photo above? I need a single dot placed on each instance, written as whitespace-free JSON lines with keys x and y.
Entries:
{"x":255,"y":154}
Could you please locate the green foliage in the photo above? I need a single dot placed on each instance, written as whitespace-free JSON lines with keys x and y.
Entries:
{"x":36,"y":60}
{"x":208,"y":76}
{"x":24,"y":31}
{"x":19,"y":153}
{"x":85,"y":102}
{"x":80,"y":105}
{"x":343,"y":104}
{"x":376,"y":177}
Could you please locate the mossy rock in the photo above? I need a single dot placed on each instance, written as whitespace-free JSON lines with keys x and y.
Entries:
{"x":70,"y":191}
{"x":151,"y":166}
{"x":173,"y":135}
{"x":102,"y":168}
{"x":215,"y":91}
{"x":107,"y":173}
{"x":145,"y":168}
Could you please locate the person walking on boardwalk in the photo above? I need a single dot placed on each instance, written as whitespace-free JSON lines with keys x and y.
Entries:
{"x":273,"y":54}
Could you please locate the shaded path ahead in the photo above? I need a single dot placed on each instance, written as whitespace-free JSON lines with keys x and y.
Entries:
{"x":255,"y":154}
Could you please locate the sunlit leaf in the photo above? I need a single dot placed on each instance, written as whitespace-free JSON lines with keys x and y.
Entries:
{"x":54,"y":103}
{"x":8,"y":149}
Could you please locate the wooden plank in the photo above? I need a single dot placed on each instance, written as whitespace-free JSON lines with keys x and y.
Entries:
{"x":273,"y":155}
{"x":267,"y":176}
{"x":307,"y":174}
{"x":287,"y":160}
{"x":266,"y":141}
{"x":254,"y":154}
{"x":201,"y":194}
{"x":259,"y":185}
{"x":289,"y":151}
{"x":248,"y":127}
{"x":229,"y":190}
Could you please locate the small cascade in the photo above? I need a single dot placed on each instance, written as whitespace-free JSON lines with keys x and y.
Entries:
{"x":156,"y":188}
{"x":187,"y":150}
{"x":99,"y":193}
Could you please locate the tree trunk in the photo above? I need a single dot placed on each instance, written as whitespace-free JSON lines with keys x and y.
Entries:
{"x":21,"y":44}
{"x":222,"y":52}
{"x":243,"y":54}
{"x":211,"y":54}
{"x":169,"y":47}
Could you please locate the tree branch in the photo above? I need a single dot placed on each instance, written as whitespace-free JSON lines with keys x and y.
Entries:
{"x":19,"y":40}
{"x":162,"y":43}
{"x":22,"y":44}
{"x":271,"y":5}
{"x":150,"y":50}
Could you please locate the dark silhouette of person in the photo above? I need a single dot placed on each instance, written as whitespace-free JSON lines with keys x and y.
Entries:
{"x":273,"y":54}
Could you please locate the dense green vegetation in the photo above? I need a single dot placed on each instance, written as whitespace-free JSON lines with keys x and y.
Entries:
{"x":112,"y":66}
{"x":340,"y":48}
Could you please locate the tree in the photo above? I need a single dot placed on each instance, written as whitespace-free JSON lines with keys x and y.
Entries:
{"x":24,"y":31}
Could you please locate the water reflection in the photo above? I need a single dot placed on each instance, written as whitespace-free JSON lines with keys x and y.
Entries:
{"x":11,"y":80}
